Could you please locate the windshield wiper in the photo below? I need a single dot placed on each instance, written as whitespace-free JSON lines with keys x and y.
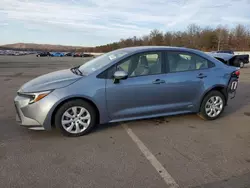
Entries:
{"x":76,"y":70}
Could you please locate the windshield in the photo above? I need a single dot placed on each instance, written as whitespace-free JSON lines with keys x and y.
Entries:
{"x":101,"y":61}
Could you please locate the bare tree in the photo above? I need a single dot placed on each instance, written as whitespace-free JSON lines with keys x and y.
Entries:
{"x":206,"y":39}
{"x":156,"y":37}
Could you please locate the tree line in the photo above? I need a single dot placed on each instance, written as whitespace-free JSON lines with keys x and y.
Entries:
{"x":194,"y":36}
{"x":205,"y":39}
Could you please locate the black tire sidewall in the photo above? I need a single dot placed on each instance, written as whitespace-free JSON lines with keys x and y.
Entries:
{"x":69,"y":104}
{"x":204,"y":101}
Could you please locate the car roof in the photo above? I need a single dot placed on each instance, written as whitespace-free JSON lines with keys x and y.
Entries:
{"x":139,"y":48}
{"x":147,"y":48}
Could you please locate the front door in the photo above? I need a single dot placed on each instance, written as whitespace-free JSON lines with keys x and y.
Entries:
{"x":143,"y":92}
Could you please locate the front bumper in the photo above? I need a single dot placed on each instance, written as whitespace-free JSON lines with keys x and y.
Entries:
{"x":34,"y":115}
{"x":21,"y":118}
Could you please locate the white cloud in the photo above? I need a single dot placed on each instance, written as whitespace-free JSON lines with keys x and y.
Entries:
{"x":4,"y":24}
{"x":115,"y":18}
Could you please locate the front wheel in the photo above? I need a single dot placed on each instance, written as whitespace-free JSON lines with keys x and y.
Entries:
{"x":75,"y":118}
{"x":212,"y":105}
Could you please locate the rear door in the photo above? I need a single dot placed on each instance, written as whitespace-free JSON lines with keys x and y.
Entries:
{"x":185,"y":78}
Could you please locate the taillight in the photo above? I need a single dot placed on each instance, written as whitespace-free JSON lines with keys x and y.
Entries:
{"x":236,"y":73}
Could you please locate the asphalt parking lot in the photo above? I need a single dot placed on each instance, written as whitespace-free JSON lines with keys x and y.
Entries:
{"x":147,"y":153}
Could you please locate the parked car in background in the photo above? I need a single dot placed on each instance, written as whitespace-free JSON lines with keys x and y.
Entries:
{"x":15,"y":52}
{"x":78,"y":54}
{"x":69,"y":54}
{"x":83,"y":55}
{"x":57,"y":54}
{"x":43,"y":54}
{"x":10,"y":52}
{"x":127,"y":84}
{"x":225,"y":51}
{"x":87,"y":55}
{"x":231,"y":59}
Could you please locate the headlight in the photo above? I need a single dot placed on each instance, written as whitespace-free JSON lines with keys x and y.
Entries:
{"x":37,"y":96}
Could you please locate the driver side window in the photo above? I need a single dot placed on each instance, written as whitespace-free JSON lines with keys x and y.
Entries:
{"x":148,"y":63}
{"x":124,"y":66}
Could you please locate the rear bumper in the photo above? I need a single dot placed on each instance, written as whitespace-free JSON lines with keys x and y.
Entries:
{"x":232,"y":87}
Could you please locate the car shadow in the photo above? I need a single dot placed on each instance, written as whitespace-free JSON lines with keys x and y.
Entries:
{"x":102,"y":127}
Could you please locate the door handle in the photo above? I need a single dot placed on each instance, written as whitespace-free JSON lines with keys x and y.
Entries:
{"x":201,"y":75}
{"x":158,"y":81}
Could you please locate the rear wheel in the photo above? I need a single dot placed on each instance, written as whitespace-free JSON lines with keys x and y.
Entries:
{"x":212,"y":105}
{"x":75,"y":118}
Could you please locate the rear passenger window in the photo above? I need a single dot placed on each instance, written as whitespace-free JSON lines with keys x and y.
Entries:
{"x":182,"y":61}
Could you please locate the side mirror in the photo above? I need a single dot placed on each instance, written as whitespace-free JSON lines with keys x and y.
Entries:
{"x":120,"y":75}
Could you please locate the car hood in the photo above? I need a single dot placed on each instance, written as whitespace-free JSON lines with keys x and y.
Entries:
{"x":53,"y":80}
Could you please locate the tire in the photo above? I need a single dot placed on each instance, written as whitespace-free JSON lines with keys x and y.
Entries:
{"x":205,"y":113}
{"x":75,"y":122}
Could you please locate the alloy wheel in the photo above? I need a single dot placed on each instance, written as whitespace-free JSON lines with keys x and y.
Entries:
{"x":214,"y":106}
{"x":76,"y":119}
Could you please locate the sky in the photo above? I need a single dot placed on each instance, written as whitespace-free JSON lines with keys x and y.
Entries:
{"x":97,"y":22}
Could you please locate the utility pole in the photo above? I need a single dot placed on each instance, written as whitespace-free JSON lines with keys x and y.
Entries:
{"x":219,"y":39}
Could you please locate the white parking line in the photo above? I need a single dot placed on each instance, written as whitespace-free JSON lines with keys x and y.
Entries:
{"x":152,"y":159}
